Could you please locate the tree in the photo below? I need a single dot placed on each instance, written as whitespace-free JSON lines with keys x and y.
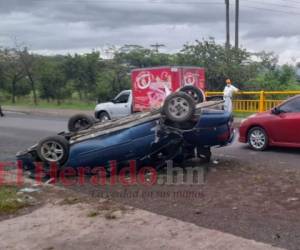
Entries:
{"x":112,"y":78}
{"x":135,"y":56}
{"x":12,"y":70}
{"x":82,"y":70}
{"x":278,"y":78}
{"x":90,"y":77}
{"x":219,"y":62}
{"x":28,"y":60}
{"x":53,"y":83}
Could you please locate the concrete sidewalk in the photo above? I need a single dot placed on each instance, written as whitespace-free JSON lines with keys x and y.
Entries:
{"x":46,"y":112}
{"x":55,"y":226}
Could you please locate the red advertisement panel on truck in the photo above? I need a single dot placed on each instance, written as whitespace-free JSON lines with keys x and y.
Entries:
{"x":150,"y":86}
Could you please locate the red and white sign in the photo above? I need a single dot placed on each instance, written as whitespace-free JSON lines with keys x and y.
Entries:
{"x":151,"y":86}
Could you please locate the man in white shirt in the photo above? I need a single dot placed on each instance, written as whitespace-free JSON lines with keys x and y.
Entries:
{"x":229,"y":90}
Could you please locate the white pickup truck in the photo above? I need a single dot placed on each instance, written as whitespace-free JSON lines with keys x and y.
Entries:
{"x":118,"y":107}
{"x":122,"y":104}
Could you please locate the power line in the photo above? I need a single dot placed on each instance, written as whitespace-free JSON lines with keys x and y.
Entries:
{"x":154,"y":2}
{"x":127,"y":2}
{"x":272,"y":10}
{"x":293,"y":1}
{"x":181,"y":3}
{"x":273,"y":4}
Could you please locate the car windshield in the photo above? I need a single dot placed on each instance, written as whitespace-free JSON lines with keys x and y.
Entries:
{"x":292,"y":106}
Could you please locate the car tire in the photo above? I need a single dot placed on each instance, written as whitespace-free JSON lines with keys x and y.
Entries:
{"x":179,"y":107}
{"x":80,"y":122}
{"x":103,"y":116}
{"x":53,"y":149}
{"x":204,"y":154}
{"x":196,"y":93}
{"x":257,"y":139}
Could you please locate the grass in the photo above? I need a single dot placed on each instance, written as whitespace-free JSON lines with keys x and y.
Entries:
{"x":92,"y":214}
{"x":242,"y":114}
{"x":74,"y":104}
{"x":9,"y":202}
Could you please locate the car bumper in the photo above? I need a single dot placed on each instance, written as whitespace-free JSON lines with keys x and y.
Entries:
{"x":242,"y":134}
{"x":27,"y":158}
{"x":27,"y":161}
{"x":242,"y":139}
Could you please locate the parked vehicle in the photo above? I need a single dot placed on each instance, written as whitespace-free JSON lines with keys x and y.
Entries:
{"x":276,"y":127}
{"x":118,"y":107}
{"x":173,"y":131}
{"x":149,"y":88}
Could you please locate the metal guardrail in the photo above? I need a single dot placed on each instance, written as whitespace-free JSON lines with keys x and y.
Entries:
{"x":242,"y":101}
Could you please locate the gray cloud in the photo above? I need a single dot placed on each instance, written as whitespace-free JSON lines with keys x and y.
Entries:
{"x":81,"y":25}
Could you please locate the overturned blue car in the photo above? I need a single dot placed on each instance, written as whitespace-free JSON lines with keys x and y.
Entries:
{"x":177,"y":131}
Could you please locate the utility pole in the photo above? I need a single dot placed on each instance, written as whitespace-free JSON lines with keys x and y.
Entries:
{"x":227,"y":24}
{"x":157,"y":46}
{"x":237,"y":10}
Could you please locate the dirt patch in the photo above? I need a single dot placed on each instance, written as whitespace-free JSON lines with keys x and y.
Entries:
{"x":255,"y":202}
{"x":24,"y":199}
{"x":68,"y":227}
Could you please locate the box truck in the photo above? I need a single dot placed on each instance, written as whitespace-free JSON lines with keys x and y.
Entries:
{"x":149,"y":88}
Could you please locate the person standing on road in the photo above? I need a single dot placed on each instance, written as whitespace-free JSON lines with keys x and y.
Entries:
{"x":1,"y":113}
{"x":229,"y":90}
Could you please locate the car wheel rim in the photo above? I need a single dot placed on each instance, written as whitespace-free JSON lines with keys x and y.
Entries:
{"x":179,"y":107}
{"x":52,"y":151}
{"x":257,"y":139}
{"x":104,"y":118}
{"x":194,"y":95}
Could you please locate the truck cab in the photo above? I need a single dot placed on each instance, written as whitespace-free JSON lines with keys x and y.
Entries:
{"x":118,"y":107}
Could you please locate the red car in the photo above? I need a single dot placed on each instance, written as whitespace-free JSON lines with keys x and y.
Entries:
{"x":277,"y":127}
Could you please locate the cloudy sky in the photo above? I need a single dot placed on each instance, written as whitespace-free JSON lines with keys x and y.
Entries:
{"x":63,"y":26}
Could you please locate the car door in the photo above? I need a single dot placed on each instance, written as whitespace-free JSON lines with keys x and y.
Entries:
{"x":285,"y":127}
{"x":99,"y":150}
{"x":122,"y":105}
{"x":143,"y":136}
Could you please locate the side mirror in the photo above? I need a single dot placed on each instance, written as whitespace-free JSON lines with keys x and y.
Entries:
{"x":113,"y":101}
{"x":276,"y":111}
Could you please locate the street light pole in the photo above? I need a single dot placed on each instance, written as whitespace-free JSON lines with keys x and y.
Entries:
{"x":227,"y":24}
{"x":237,"y":7}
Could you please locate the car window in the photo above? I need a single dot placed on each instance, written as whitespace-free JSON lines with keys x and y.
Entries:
{"x":123,"y":98}
{"x":291,"y":106}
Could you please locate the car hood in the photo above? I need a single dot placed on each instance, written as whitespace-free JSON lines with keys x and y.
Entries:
{"x":256,"y":117}
{"x":102,"y":105}
{"x":259,"y":115}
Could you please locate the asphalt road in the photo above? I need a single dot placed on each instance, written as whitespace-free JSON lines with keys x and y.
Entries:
{"x":18,"y":131}
{"x":255,"y":195}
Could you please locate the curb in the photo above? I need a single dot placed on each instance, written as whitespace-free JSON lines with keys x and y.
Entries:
{"x":66,"y":113}
{"x":63,"y":113}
